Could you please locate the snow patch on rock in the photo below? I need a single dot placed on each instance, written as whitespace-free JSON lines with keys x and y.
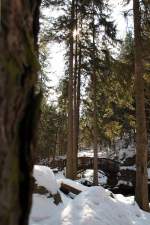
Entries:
{"x":45,"y":177}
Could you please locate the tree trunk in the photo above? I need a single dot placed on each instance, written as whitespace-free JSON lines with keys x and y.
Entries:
{"x":141,"y":195}
{"x":75,"y":111}
{"x":76,"y":96}
{"x":95,"y":134}
{"x":94,"y":99}
{"x":78,"y":103}
{"x":18,"y":106}
{"x":69,"y":167}
{"x":78,"y":90}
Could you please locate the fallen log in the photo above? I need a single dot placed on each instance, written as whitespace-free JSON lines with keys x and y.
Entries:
{"x":66,"y":189}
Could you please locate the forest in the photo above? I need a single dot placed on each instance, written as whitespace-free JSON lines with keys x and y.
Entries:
{"x":75,"y":112}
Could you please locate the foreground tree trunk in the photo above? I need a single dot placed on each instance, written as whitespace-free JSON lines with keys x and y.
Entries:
{"x":18,"y":105}
{"x":141,"y":195}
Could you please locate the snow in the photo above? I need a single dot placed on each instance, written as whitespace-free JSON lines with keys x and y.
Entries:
{"x":125,"y":152}
{"x":62,"y":157}
{"x":128,"y":168}
{"x":75,"y":184}
{"x":90,"y":153}
{"x":127,"y":183}
{"x":44,"y":211}
{"x":94,"y":206}
{"x":88,"y":176}
{"x":44,"y":177}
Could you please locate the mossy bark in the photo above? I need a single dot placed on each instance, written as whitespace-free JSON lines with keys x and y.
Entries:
{"x":18,"y":105}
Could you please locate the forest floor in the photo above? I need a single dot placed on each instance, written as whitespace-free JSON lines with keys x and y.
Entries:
{"x":93,"y":206}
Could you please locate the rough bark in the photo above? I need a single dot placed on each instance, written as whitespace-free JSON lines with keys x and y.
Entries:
{"x":18,"y":106}
{"x":141,"y":195}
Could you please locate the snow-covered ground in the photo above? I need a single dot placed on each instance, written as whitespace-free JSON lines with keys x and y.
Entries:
{"x":94,"y":206}
{"x":125,"y":152}
{"x":90,"y":153}
{"x":87,"y":175}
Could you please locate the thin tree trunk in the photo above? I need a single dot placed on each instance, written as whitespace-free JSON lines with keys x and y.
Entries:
{"x":75,"y":115}
{"x":69,"y":167}
{"x":78,"y":91}
{"x":94,"y":96}
{"x":95,"y":134}
{"x":55,"y":146}
{"x":75,"y":119}
{"x":141,"y":195}
{"x":18,"y":105}
{"x":78,"y":102}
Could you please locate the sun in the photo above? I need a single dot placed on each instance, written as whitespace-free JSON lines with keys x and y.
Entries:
{"x":76,"y":33}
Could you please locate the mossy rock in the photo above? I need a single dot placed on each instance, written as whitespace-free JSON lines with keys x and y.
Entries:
{"x":40,"y":190}
{"x":43,"y":191}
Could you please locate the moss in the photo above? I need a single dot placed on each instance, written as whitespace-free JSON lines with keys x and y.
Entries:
{"x":15,"y":64}
{"x":30,"y":52}
{"x":13,"y":70}
{"x":10,"y":66}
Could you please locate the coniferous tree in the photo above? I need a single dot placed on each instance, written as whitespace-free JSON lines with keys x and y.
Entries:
{"x":71,"y":165}
{"x":47,"y":133}
{"x":97,"y":18}
{"x":81,"y":55}
{"x":141,"y":133}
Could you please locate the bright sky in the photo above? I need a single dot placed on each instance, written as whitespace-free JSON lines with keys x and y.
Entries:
{"x":56,"y":50}
{"x":122,"y":24}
